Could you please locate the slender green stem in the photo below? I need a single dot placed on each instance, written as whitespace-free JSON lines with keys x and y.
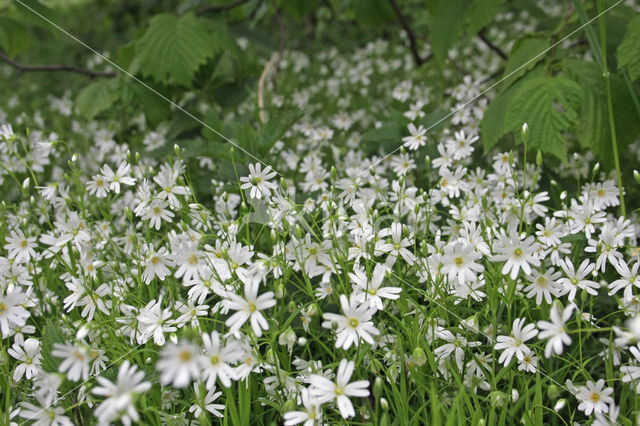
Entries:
{"x":612,"y":126}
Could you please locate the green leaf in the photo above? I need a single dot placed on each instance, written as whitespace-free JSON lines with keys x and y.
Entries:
{"x":51,"y":334}
{"x":446,"y":27}
{"x":493,"y":125}
{"x":629,"y":49}
{"x":173,"y":48}
{"x":550,"y":106}
{"x":296,"y":8}
{"x":480,"y":14}
{"x":275,"y":128}
{"x":154,"y":107}
{"x":386,"y":138}
{"x":526,"y":50}
{"x":96,"y":98}
{"x":14,"y":37}
{"x":594,"y":132}
{"x":370,"y":13}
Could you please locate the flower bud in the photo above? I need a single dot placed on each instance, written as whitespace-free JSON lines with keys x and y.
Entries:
{"x":539,"y":159}
{"x":525,"y":132}
{"x":384,"y":404}
{"x":636,"y":176}
{"x":288,"y":338}
{"x":419,"y":357}
{"x":25,"y":183}
{"x":596,"y":169}
{"x":560,"y":404}
{"x":302,"y":341}
{"x":271,"y":357}
{"x":283,"y":184}
{"x":553,"y":392}
{"x":176,"y":149}
{"x":289,"y":405}
{"x":377,"y":387}
{"x":334,"y":174}
{"x":497,"y":399}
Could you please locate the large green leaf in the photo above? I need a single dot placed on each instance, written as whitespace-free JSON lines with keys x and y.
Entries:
{"x":14,"y":37}
{"x":480,"y":14}
{"x":550,"y":106}
{"x":446,"y":27}
{"x":96,"y":98}
{"x":493,"y":126}
{"x":173,"y":48}
{"x":525,"y":54}
{"x":629,"y":49}
{"x":594,"y":132}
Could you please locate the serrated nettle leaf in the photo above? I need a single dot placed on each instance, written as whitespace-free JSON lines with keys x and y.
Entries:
{"x":549,"y":105}
{"x":446,"y":27}
{"x":173,"y":48}
{"x":97,"y":97}
{"x":629,"y":49}
{"x":480,"y":14}
{"x":593,"y":131}
{"x":14,"y":37}
{"x":494,"y":125}
{"x":525,"y":54}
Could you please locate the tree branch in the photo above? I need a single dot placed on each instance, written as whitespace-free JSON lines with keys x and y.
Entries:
{"x":68,"y":68}
{"x":412,"y":36}
{"x":219,"y":7}
{"x":491,"y":46}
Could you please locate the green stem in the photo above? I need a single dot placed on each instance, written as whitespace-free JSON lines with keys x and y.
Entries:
{"x":612,"y":126}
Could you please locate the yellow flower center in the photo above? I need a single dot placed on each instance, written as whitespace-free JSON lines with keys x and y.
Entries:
{"x":353,"y":322}
{"x":185,"y":355}
{"x":595,"y":397}
{"x":459,"y":261}
{"x":517,"y":252}
{"x":252,"y":307}
{"x":3,"y":308}
{"x":215,"y":359}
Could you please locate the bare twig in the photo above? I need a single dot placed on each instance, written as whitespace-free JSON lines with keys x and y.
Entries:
{"x":412,"y":36}
{"x":275,"y":57}
{"x":220,"y":7}
{"x":42,"y":68}
{"x":489,"y":43}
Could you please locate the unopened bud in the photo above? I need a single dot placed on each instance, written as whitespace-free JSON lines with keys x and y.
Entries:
{"x":283,"y":184}
{"x":525,"y":132}
{"x":497,"y":399}
{"x":377,"y":387}
{"x":302,"y":341}
{"x":563,"y":195}
{"x":553,"y":392}
{"x":176,"y":149}
{"x":289,"y":405}
{"x":279,"y":290}
{"x":334,"y":174}
{"x":270,"y":357}
{"x":636,"y":176}
{"x":384,"y":404}
{"x":539,"y":159}
{"x":596,"y":169}
{"x":560,"y":404}
{"x":25,"y":183}
{"x":419,"y":357}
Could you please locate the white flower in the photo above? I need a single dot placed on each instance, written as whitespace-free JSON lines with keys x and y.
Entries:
{"x":120,"y":395}
{"x":576,"y":279}
{"x":417,"y":138}
{"x":311,"y":415}
{"x":47,"y":414}
{"x":594,"y":397}
{"x":206,"y":402}
{"x":354,"y":325}
{"x":12,"y":311}
{"x":631,"y":373}
{"x":543,"y":285}
{"x":459,"y":262}
{"x":258,"y":181}
{"x":515,"y":343}
{"x":370,"y":290}
{"x":29,"y":353}
{"x":20,"y":247}
{"x":179,"y":364}
{"x":76,"y":360}
{"x":517,"y":254}
{"x":120,"y":176}
{"x":217,"y":359}
{"x":324,"y":390}
{"x":248,"y":308}
{"x":555,"y":330}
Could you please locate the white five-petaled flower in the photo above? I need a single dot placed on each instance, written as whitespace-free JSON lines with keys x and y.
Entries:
{"x":179,"y":364}
{"x":576,"y":279}
{"x":555,"y":330}
{"x":594,"y":397}
{"x":120,"y":395}
{"x":516,"y":253}
{"x":370,"y":290}
{"x":258,"y":181}
{"x":417,"y":137}
{"x":459,"y":262}
{"x":249,"y":307}
{"x":515,"y":343}
{"x":324,"y":390}
{"x":354,"y":325}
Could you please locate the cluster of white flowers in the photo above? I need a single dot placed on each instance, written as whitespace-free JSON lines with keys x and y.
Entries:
{"x":329,"y":258}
